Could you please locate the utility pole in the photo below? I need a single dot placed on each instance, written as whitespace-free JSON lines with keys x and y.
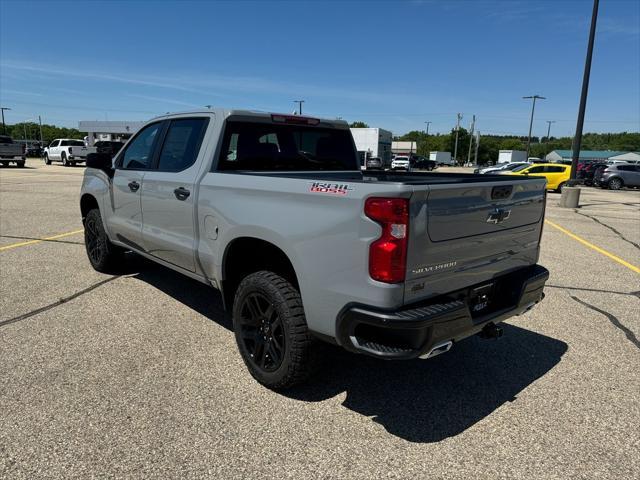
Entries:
{"x":40,"y":122}
{"x":577,"y":142}
{"x":455,"y":149}
{"x":533,"y":108}
{"x":426,"y":144}
{"x":299,"y":102}
{"x":549,"y":128}
{"x":475,"y":160}
{"x":4,"y":127}
{"x":473,"y":125}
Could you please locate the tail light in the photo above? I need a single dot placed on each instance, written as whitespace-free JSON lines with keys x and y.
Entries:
{"x":388,"y":254}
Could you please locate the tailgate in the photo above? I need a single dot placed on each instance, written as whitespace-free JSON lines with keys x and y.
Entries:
{"x":464,"y":234}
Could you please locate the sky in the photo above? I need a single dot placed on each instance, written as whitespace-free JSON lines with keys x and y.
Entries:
{"x":392,"y":64}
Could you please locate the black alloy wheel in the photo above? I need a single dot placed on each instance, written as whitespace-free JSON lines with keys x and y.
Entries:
{"x":93,"y":240}
{"x":262,"y":332}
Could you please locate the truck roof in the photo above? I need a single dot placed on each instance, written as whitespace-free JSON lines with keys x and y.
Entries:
{"x":253,"y":115}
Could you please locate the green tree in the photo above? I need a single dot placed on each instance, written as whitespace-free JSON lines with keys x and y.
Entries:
{"x":358,"y":124}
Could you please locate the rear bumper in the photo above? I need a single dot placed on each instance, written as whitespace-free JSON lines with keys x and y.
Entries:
{"x":413,"y":331}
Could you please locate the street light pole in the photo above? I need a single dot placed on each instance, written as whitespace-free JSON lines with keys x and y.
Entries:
{"x":577,"y":140}
{"x":533,"y":109}
{"x":549,"y":128}
{"x":4,"y":127}
{"x":299,"y":102}
{"x":455,"y":149}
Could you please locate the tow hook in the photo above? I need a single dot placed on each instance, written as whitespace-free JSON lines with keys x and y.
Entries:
{"x":491,"y":330}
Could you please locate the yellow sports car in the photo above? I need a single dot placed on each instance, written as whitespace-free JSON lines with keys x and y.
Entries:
{"x":555,"y":173}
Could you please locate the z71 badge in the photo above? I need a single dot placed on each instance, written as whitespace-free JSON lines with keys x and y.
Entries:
{"x":332,"y":188}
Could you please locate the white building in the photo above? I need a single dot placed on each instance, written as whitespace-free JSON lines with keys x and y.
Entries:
{"x":108,"y":130}
{"x":631,"y":157}
{"x":404,"y":148}
{"x":373,"y":142}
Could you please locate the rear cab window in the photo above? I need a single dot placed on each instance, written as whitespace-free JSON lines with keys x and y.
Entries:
{"x":271,"y":146}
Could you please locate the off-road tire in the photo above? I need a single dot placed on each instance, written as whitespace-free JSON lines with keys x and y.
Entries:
{"x":300,"y":355}
{"x":104,"y":256}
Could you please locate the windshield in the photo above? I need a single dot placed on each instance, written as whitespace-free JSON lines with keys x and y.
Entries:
{"x":274,"y":147}
{"x":520,"y":168}
{"x":514,"y":166}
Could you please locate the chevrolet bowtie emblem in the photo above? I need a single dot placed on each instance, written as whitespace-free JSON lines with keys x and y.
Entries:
{"x":499,"y":215}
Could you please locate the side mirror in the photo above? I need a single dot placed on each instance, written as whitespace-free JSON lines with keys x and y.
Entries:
{"x":101,"y":161}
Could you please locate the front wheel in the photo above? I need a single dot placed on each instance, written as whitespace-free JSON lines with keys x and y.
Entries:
{"x":103,"y":255}
{"x":271,"y":331}
{"x":47,"y":161}
{"x":615,"y":184}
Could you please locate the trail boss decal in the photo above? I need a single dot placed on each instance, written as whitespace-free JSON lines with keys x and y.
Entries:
{"x":332,"y":188}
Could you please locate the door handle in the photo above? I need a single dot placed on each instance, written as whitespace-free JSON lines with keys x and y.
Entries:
{"x":181,"y":193}
{"x":134,"y":186}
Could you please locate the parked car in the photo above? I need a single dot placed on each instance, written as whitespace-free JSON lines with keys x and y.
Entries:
{"x":400,"y":162}
{"x":11,"y":151}
{"x":374,"y":163}
{"x":500,"y":167}
{"x":617,"y":176}
{"x":587,"y":170}
{"x":34,"y":150}
{"x":422,"y":163}
{"x":69,"y":151}
{"x":555,"y":173}
{"x":108,"y":147}
{"x":306,"y":247}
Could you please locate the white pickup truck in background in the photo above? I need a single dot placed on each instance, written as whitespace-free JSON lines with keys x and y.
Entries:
{"x":69,"y":151}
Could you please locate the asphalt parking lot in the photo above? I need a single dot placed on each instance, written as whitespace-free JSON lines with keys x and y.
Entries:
{"x":138,"y":376}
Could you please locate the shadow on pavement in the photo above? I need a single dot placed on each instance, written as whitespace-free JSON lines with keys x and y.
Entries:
{"x":418,"y":400}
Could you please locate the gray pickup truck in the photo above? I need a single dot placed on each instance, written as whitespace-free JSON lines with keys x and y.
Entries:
{"x":274,"y":211}
{"x":11,"y":151}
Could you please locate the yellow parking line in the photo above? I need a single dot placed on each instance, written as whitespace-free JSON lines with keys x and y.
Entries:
{"x":594,"y":247}
{"x":31,"y":242}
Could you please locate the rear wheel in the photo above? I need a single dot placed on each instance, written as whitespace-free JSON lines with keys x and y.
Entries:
{"x":103,"y":255}
{"x":271,"y":331}
{"x":65,"y":162}
{"x":46,"y":159}
{"x":4,"y":164}
{"x":560,"y":187}
{"x":616,"y":183}
{"x":20,"y":164}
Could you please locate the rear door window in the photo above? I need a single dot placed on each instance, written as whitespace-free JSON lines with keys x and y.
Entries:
{"x":264,"y":146}
{"x":536,"y":170}
{"x":182,"y":144}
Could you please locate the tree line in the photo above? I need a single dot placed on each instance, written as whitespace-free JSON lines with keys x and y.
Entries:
{"x":49,"y":132}
{"x":491,"y":144}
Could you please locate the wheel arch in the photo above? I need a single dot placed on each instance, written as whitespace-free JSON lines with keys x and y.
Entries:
{"x":246,"y":255}
{"x":87,"y":203}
